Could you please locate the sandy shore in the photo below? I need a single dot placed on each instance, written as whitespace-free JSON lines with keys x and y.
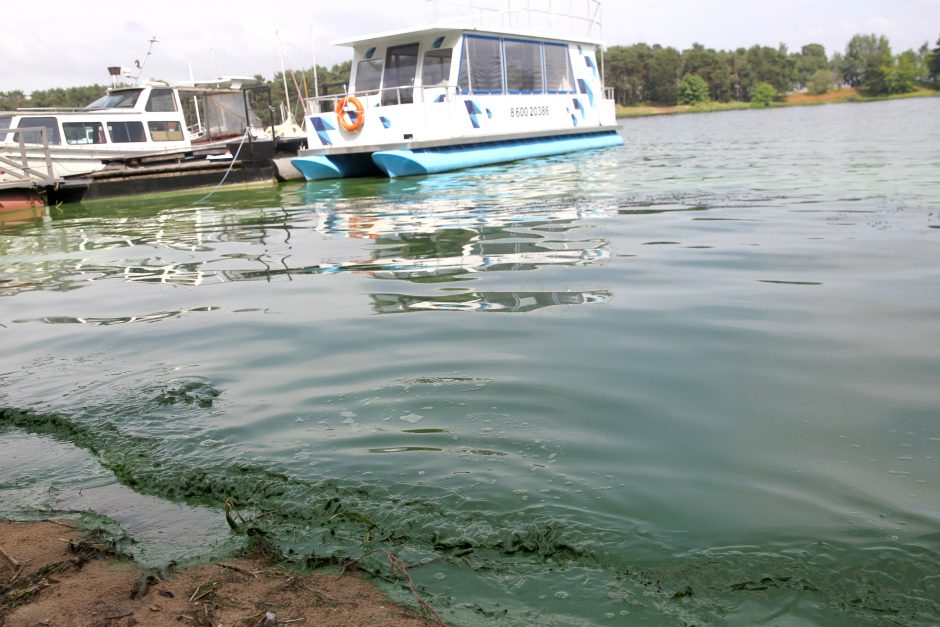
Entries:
{"x":54,"y":574}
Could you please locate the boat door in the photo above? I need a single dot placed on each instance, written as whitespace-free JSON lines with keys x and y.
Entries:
{"x":401,"y":66}
{"x":435,"y":74}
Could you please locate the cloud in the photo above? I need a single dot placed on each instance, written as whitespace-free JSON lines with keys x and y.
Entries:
{"x":235,"y":37}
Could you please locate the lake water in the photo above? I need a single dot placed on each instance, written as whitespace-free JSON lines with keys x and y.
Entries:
{"x":692,"y":380}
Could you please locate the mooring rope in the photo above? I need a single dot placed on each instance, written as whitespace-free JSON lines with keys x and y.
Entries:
{"x":230,"y":166}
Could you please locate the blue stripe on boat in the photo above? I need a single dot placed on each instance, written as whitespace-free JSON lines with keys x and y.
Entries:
{"x":432,"y":160}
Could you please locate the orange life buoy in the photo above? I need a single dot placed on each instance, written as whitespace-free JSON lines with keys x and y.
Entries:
{"x":350,"y":114}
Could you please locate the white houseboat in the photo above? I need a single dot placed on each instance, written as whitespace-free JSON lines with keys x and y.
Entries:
{"x":150,"y":119}
{"x":482,"y":89}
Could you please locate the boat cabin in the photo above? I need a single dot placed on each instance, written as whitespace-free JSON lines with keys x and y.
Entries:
{"x":155,"y":117}
{"x":435,"y":64}
{"x":455,"y":95}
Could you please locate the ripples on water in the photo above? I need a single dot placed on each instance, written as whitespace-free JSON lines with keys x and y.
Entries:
{"x":718,"y":406}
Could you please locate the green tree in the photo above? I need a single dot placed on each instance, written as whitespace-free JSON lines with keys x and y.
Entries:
{"x":11,"y":100}
{"x":664,"y":71}
{"x":742,"y":74}
{"x":933,"y":62}
{"x":835,"y":66}
{"x":711,"y":66}
{"x":764,"y":94}
{"x":811,"y":59}
{"x":69,"y":97}
{"x":771,"y":65}
{"x":643,"y":73}
{"x":617,"y":72}
{"x":866,"y":63}
{"x":903,"y":73}
{"x":627,"y":71}
{"x":693,"y":90}
{"x":923,"y":72}
{"x":820,"y":82}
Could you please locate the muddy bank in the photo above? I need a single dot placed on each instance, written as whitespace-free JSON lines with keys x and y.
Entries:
{"x":52,"y":573}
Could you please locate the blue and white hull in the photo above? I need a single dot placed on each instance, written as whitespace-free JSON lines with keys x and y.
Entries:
{"x":410,"y":162}
{"x":443,"y":98}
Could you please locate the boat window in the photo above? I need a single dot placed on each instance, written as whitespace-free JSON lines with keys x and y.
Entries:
{"x":165,"y":131}
{"x":557,"y":69}
{"x":124,"y":99}
{"x":401,"y":67}
{"x":481,"y":68}
{"x":226,"y":115}
{"x":436,"y":67}
{"x":523,"y":66}
{"x":369,"y":75}
{"x":161,"y":101}
{"x":50,"y":124}
{"x":126,"y":132}
{"x":83,"y":132}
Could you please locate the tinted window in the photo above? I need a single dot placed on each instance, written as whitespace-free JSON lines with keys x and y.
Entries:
{"x":369,"y":75}
{"x":557,"y":69}
{"x":126,"y":132}
{"x":161,"y":101}
{"x":50,"y":124}
{"x":83,"y":132}
{"x":165,"y":131}
{"x":481,"y":68}
{"x":401,"y":67}
{"x":436,"y":67}
{"x":124,"y":99}
{"x":523,"y":66}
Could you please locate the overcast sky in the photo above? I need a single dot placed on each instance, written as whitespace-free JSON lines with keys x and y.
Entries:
{"x":61,"y":43}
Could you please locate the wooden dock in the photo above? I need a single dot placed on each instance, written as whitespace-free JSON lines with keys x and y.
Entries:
{"x":23,"y":187}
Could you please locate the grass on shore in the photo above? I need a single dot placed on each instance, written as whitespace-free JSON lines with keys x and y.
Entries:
{"x":847,"y":94}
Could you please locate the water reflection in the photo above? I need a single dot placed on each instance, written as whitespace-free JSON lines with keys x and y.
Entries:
{"x":434,"y":231}
{"x":499,"y":302}
{"x":108,"y":321}
{"x":14,"y":220}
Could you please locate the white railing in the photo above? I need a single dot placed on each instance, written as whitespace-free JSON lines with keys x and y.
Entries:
{"x":388,"y":96}
{"x":582,"y":18}
{"x":19,"y":169}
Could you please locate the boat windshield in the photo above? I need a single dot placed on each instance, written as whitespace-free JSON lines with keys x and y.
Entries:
{"x":401,"y":66}
{"x":124,"y":99}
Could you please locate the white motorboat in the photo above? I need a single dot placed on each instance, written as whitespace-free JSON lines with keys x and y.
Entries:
{"x":494,"y":87}
{"x":146,"y":120}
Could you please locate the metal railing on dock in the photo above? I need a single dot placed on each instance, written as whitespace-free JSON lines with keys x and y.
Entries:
{"x":14,"y":165}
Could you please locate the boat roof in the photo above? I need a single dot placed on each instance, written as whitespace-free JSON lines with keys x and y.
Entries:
{"x":396,"y":35}
{"x":223,"y":83}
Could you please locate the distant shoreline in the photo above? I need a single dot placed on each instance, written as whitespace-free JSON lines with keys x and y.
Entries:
{"x":848,"y":94}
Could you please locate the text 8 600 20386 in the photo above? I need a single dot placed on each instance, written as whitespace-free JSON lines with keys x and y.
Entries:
{"x":528,"y":112}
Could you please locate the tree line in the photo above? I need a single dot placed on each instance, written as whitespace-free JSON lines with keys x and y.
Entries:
{"x":658,"y":75}
{"x":328,"y":80}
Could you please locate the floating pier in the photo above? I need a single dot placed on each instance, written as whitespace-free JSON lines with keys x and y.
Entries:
{"x":246,"y":162}
{"x":21,"y":186}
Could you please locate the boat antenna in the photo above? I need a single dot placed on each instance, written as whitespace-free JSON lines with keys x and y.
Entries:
{"x":280,"y":52}
{"x":313,"y":53}
{"x":140,"y":65}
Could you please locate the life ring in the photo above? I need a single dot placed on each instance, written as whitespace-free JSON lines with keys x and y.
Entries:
{"x":350,"y":119}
